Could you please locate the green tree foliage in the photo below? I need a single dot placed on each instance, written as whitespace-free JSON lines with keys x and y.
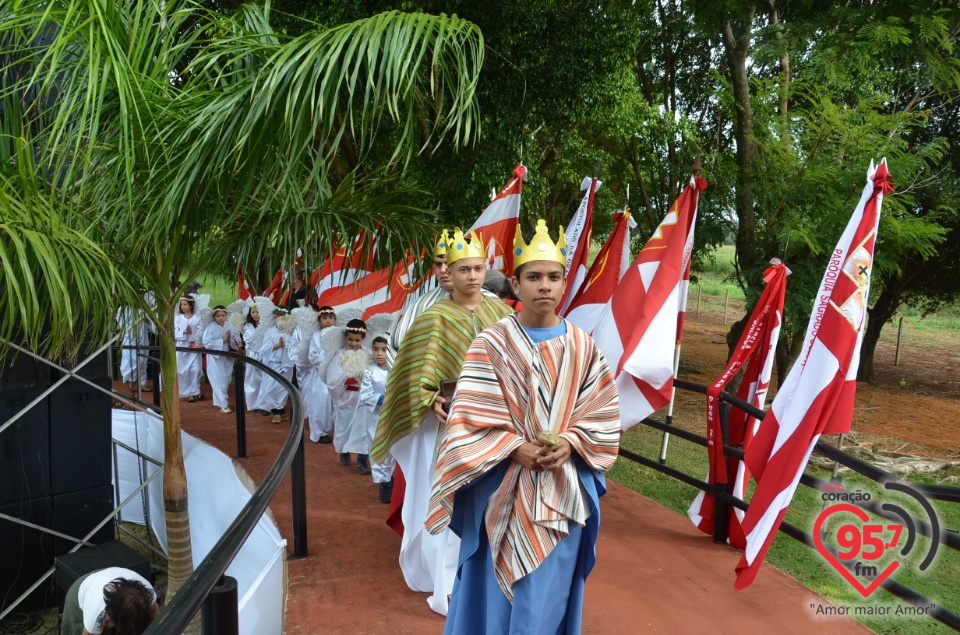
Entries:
{"x":787,"y":101}
{"x":816,"y":91}
{"x":555,"y":82}
{"x":144,"y":142}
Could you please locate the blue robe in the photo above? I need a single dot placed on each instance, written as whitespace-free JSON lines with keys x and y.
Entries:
{"x":547,"y":601}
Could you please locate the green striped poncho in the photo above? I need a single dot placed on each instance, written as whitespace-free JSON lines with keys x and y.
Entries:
{"x":432,"y":350}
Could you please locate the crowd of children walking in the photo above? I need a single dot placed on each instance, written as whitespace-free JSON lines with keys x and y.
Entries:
{"x":340,"y":368}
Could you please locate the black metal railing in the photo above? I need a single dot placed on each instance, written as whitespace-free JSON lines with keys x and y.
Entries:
{"x":179,"y":612}
{"x":724,"y":499}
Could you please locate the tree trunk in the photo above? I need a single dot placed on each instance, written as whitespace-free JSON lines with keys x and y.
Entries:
{"x":737,"y":46}
{"x":877,"y":317}
{"x":179,"y":545}
{"x":733,"y":338}
{"x":786,"y":353}
{"x":786,"y":74}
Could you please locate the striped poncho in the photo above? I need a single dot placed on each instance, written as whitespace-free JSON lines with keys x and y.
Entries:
{"x":432,"y":350}
{"x":509,"y":390}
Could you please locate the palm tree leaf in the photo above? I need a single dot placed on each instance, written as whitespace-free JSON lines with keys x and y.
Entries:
{"x":58,"y":286}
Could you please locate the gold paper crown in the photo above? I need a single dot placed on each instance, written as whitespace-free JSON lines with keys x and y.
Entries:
{"x":440,"y":249}
{"x":541,"y":247}
{"x":460,"y":247}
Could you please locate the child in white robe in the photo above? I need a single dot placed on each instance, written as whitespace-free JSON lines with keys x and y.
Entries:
{"x":373,"y":386}
{"x":279,"y":351}
{"x":343,"y":379}
{"x":219,"y":336}
{"x":252,"y":376}
{"x":316,"y":395}
{"x":136,"y":329}
{"x":185,"y":326}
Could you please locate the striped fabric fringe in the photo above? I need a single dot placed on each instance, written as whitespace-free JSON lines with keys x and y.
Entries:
{"x":433,"y":350}
{"x":509,"y":390}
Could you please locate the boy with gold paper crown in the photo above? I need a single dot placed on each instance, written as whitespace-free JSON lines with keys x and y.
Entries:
{"x":413,"y":415}
{"x":533,"y":427}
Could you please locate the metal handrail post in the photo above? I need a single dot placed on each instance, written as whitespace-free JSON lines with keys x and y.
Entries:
{"x":298,"y":473}
{"x":220,"y":613}
{"x":239,"y":371}
{"x":721,"y":509}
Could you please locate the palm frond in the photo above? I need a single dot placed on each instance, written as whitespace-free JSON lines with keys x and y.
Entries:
{"x":57,"y":287}
{"x":256,"y":128}
{"x":161,"y":124}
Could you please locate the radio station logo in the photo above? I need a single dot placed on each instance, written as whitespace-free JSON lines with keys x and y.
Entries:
{"x":862,"y":545}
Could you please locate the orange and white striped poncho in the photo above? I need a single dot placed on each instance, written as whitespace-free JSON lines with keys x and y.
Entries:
{"x":509,"y":390}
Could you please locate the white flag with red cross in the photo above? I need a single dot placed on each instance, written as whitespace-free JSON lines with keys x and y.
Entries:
{"x":348,"y":263}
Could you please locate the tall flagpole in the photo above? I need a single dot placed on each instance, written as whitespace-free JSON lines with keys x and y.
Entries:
{"x":676,"y":356}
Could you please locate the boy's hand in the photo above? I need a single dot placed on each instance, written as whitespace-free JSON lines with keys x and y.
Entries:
{"x":226,"y":336}
{"x":552,"y":458}
{"x":438,"y":410}
{"x":527,"y":455}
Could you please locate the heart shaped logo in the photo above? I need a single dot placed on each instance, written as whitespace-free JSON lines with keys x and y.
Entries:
{"x":839,"y":566}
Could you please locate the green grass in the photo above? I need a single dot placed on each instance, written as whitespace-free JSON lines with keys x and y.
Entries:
{"x":928,"y":330}
{"x":805,"y":564}
{"x":715,"y":279}
{"x":221,"y":290}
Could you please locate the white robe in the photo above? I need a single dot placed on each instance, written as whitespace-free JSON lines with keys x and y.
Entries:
{"x":188,"y":364}
{"x":349,"y":419}
{"x":373,"y":387}
{"x":273,"y":396}
{"x":219,"y":369}
{"x":428,"y":562}
{"x":252,"y":376}
{"x":316,"y":395}
{"x":136,"y":329}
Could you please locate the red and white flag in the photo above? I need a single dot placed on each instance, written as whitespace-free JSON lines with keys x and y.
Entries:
{"x":578,"y":242}
{"x":382,"y":291}
{"x":817,"y":395}
{"x":276,"y":286}
{"x":402,"y":284}
{"x":755,"y":350}
{"x":347,"y":264}
{"x":639,"y":328}
{"x":602,"y":280}
{"x":497,"y":225}
{"x":244,"y":288}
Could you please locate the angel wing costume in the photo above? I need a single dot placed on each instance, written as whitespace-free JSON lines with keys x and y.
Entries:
{"x":355,"y":424}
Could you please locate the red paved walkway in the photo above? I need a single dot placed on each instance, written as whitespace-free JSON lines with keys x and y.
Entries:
{"x":655,"y":572}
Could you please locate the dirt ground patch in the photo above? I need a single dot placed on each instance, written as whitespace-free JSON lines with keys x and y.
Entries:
{"x":914,"y":407}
